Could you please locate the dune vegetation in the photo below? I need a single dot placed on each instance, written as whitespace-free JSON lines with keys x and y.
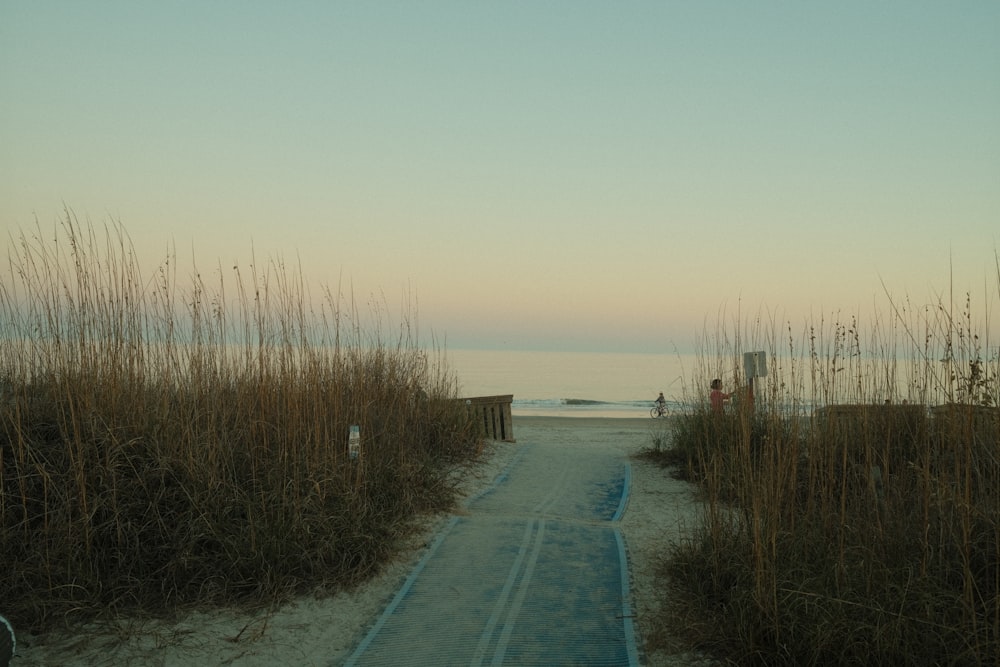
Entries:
{"x":166,"y":446}
{"x":853,"y":504}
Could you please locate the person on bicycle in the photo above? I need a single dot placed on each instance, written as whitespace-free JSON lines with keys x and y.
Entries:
{"x":661,"y":403}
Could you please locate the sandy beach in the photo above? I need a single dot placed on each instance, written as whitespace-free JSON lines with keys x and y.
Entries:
{"x":323,"y":630}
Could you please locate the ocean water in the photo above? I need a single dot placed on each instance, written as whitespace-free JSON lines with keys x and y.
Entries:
{"x":625,"y":385}
{"x":600,"y":384}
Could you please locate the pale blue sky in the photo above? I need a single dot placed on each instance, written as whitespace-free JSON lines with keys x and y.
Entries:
{"x":561,"y":175}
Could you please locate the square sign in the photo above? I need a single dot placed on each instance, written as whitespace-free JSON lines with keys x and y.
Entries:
{"x":755,"y":364}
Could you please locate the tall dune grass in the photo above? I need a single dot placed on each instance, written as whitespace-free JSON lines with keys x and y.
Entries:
{"x":166,"y":446}
{"x":853,"y":508}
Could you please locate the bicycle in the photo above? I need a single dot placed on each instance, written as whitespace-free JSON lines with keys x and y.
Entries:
{"x":658,"y":410}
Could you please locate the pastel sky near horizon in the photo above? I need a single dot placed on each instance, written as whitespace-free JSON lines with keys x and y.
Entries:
{"x":535,"y":175}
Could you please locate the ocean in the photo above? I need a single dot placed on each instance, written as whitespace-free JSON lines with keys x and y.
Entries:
{"x":573,"y":384}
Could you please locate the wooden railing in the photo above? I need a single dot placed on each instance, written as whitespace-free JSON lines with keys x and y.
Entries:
{"x":493,"y":412}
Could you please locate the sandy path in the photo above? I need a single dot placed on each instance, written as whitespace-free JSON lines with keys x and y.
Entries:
{"x":324,"y":631}
{"x":532,"y":573}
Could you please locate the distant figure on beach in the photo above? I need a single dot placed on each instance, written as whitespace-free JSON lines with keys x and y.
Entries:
{"x":718,"y":397}
{"x":659,"y":406}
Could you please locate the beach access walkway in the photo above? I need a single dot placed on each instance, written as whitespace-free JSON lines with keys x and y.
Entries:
{"x":533,"y":571}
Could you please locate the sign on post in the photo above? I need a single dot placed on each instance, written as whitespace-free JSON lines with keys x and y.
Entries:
{"x":354,"y":442}
{"x":755,"y":364}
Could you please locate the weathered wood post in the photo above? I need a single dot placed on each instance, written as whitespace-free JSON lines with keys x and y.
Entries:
{"x":493,"y":412}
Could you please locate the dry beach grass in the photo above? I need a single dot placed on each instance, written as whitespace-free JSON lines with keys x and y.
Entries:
{"x":854,"y":504}
{"x":164,"y":448}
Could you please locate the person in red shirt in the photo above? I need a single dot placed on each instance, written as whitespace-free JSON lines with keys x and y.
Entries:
{"x":718,"y":397}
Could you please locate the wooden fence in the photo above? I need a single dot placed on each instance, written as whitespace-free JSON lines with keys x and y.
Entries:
{"x":493,"y":412}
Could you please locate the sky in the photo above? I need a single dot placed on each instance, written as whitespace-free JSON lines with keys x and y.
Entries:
{"x":531,"y":175}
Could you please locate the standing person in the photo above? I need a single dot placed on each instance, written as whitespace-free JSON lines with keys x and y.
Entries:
{"x":718,"y":397}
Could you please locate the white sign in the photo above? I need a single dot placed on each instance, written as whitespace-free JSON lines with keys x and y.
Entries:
{"x":755,"y":364}
{"x":354,"y":442}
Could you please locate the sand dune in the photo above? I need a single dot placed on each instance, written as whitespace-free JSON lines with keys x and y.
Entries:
{"x":324,"y":630}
